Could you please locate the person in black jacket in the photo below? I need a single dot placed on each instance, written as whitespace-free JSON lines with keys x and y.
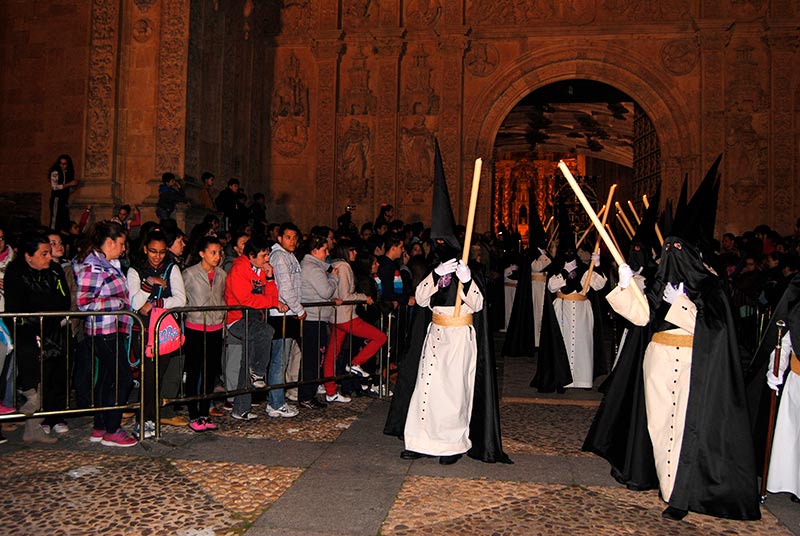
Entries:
{"x":34,"y":283}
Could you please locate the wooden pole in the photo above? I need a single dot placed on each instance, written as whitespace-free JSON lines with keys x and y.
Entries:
{"x":600,"y":229}
{"x":773,"y":407}
{"x":635,"y":215}
{"x":658,"y":231}
{"x":547,"y":225}
{"x":597,"y":242}
{"x":611,"y":234}
{"x":624,"y":227}
{"x":600,"y":214}
{"x":625,"y":219}
{"x":473,"y":202}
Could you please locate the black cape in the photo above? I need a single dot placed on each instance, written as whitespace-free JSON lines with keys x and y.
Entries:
{"x":484,"y":425}
{"x":717,"y":466}
{"x":520,"y":340}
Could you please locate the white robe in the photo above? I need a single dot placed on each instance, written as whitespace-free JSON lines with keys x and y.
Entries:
{"x":784,"y":463}
{"x":510,"y":289}
{"x":667,"y":374}
{"x":441,"y":406}
{"x":576,"y":322}
{"x":538,"y":282}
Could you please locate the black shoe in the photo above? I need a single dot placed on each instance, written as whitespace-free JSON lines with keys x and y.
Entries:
{"x":794,"y":498}
{"x":313,"y":404}
{"x":675,"y":514}
{"x":411,"y":455}
{"x":449,"y":460}
{"x":3,"y":439}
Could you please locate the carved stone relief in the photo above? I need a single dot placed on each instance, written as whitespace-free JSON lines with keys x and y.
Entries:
{"x":296,"y":17}
{"x":482,"y":59}
{"x":290,"y":114}
{"x":679,"y":56}
{"x":419,"y":96}
{"x":170,"y":116}
{"x":357,"y":13}
{"x":417,"y":147}
{"x":422,"y":13}
{"x":491,"y":12}
{"x":102,"y":65}
{"x":142,"y":31}
{"x":354,"y":169}
{"x":144,"y":5}
{"x":357,"y":98}
{"x":648,"y":10}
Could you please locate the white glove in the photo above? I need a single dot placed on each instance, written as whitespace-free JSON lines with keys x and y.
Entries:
{"x":570,"y":266}
{"x":543,"y":252}
{"x":510,"y":270}
{"x":447,"y":267}
{"x":463,"y":272}
{"x":625,"y":275}
{"x":786,"y":351}
{"x":596,"y":259}
{"x":671,"y":292}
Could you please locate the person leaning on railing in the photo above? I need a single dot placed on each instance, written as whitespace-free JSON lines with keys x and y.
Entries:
{"x":103,"y":287}
{"x":34,"y":283}
{"x":347,"y":322}
{"x":205,"y":287}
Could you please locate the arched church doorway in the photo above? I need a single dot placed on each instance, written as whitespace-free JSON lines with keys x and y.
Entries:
{"x":603,"y":135}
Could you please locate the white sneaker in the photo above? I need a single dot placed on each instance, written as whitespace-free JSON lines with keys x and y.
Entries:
{"x":382,"y":392}
{"x":61,"y":428}
{"x":320,"y":390}
{"x":358,"y":371}
{"x":149,"y":430}
{"x":285,"y":410}
{"x":338,"y":397}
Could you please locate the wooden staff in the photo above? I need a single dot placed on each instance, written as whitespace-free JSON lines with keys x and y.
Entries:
{"x":547,"y":225}
{"x":473,"y":202}
{"x":624,"y":228}
{"x":597,"y":242}
{"x":600,"y":214}
{"x":635,"y":215}
{"x":773,"y":407}
{"x":658,"y":231}
{"x":600,"y":229}
{"x":625,"y":219}
{"x":553,"y":236}
{"x":611,"y":234}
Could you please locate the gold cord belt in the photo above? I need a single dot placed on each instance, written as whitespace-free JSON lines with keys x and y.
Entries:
{"x":795,"y":363}
{"x":511,"y":283}
{"x":673,"y":339}
{"x":538,"y":277}
{"x":452,"y":321}
{"x":571,"y":297}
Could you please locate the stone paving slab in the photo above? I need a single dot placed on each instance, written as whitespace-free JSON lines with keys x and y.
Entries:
{"x":77,"y":493}
{"x":449,"y":506}
{"x":550,"y":429}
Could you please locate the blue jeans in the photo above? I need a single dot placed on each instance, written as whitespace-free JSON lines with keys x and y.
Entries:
{"x":114,"y":380}
{"x":277,"y":371}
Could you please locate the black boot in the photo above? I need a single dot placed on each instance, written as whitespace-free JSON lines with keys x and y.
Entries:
{"x":449,"y":460}
{"x":411,"y":455}
{"x":675,"y":514}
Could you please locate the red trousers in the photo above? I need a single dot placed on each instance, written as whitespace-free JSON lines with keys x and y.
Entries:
{"x":358,"y":328}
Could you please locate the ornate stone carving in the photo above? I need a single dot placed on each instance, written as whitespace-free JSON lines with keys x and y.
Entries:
{"x":357,"y":99}
{"x":482,"y":59}
{"x":419,"y":96}
{"x":417,"y":146}
{"x":170,"y":117}
{"x":297,"y":17}
{"x":422,"y":13}
{"x":141,"y":30}
{"x":100,"y":105}
{"x":357,"y":13}
{"x":646,"y":10}
{"x":290,"y":114}
{"x":144,"y":5}
{"x":492,"y":12}
{"x":679,"y":56}
{"x":354,"y":170}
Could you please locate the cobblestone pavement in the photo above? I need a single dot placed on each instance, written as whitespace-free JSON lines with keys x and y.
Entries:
{"x":556,"y":430}
{"x":450,"y":506}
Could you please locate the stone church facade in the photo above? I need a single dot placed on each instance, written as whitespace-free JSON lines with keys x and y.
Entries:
{"x":323,"y":103}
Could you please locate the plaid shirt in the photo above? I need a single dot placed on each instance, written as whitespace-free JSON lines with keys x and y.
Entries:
{"x":102,"y":287}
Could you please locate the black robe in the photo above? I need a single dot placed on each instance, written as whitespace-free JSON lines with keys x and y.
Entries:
{"x":484,"y":425}
{"x":520,"y":338}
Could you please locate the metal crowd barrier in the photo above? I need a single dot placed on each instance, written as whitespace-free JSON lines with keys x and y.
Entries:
{"x":18,"y":319}
{"x":383,"y":358}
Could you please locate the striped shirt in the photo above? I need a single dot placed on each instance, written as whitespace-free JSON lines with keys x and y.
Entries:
{"x":102,"y":287}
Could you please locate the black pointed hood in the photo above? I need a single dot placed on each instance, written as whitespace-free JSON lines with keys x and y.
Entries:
{"x":696,"y":223}
{"x":645,"y":241}
{"x":537,"y":238}
{"x":566,"y":234}
{"x":443,"y":223}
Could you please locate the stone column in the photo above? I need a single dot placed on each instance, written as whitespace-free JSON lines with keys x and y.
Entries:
{"x":386,"y":142}
{"x":326,"y":52}
{"x":98,"y":181}
{"x":782,"y":194}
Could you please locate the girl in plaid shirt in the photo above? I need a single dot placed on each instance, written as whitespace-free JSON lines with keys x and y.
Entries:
{"x":103,"y":287}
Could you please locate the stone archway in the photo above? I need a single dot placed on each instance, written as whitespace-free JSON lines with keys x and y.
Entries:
{"x":655,"y":92}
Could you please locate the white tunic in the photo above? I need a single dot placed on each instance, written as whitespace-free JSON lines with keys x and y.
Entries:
{"x":784,"y":463}
{"x":667,"y":373}
{"x":576,"y":321}
{"x":538,"y":281}
{"x":440,"y":408}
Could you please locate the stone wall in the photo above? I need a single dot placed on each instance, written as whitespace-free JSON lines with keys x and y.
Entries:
{"x":320,"y":103}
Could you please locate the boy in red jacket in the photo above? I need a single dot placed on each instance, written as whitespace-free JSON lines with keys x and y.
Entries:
{"x":250,"y":284}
